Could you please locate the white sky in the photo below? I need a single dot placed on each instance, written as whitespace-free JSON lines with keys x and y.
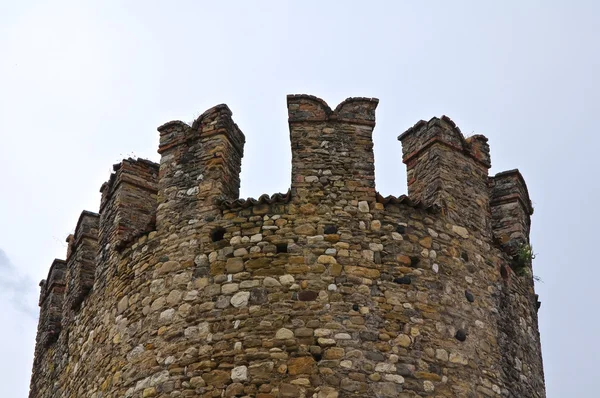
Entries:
{"x":85,"y":83}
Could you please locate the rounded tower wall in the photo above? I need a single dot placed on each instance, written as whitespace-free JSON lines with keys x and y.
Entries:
{"x":329,"y":290}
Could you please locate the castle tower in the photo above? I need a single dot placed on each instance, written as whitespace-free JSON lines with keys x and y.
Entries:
{"x":179,"y":288}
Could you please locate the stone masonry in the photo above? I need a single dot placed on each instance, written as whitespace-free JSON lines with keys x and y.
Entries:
{"x":179,"y":288}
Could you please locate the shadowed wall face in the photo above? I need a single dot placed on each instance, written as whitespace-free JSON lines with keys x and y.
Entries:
{"x":329,"y":290}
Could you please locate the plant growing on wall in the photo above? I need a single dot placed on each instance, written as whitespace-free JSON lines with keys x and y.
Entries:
{"x":523,"y":258}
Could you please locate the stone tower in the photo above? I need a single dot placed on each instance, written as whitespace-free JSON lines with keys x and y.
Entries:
{"x":179,"y":288}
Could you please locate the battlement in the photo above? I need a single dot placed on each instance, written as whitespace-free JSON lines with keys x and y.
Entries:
{"x":447,"y":170}
{"x":51,"y":302}
{"x":216,"y":120}
{"x":81,"y":259}
{"x":332,"y":151}
{"x":199,"y":164}
{"x":308,"y":108}
{"x":444,"y":131}
{"x":176,"y":260}
{"x":128,"y":204}
{"x":511,"y":209}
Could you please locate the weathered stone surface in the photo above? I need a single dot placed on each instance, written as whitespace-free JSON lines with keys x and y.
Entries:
{"x":230,"y":288}
{"x":460,"y":231}
{"x":330,"y":290}
{"x":363,"y":206}
{"x":441,"y":354}
{"x":305,"y":229}
{"x":307,"y":295}
{"x":197,"y":381}
{"x":261,"y":370}
{"x":234,"y":390}
{"x":271,"y":282}
{"x":283,"y":334}
{"x":239,"y":373}
{"x":217,"y":378}
{"x":234,"y":265}
{"x":240,"y":299}
{"x":323,"y":259}
{"x":301,"y":365}
{"x":123,"y":304}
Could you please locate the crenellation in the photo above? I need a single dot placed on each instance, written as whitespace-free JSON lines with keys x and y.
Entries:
{"x":424,"y":134}
{"x":51,"y":302}
{"x":218,"y":121}
{"x":49,"y":347}
{"x":128,"y":205}
{"x":81,"y":261}
{"x":140,"y":173}
{"x":357,"y":110}
{"x":172,"y":133}
{"x":332,"y":152}
{"x":478,"y":148}
{"x":446,"y":170}
{"x":127,"y":210}
{"x":329,"y":290}
{"x":70,"y":239}
{"x":87,"y":227}
{"x":511,"y":209}
{"x":307,"y":108}
{"x":199,"y":164}
{"x":445,"y":132}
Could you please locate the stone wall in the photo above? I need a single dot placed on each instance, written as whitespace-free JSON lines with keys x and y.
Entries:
{"x":328,"y":290}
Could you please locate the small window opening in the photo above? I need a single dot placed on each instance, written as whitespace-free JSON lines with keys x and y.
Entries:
{"x":330,"y":229}
{"x":504,"y":272}
{"x":217,"y":234}
{"x":282,"y":247}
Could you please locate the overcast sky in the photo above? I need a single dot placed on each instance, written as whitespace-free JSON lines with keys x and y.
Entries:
{"x":85,"y":83}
